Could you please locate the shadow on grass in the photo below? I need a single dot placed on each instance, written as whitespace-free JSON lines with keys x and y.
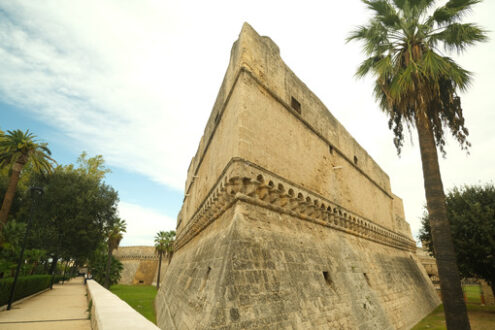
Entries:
{"x":481,"y":317}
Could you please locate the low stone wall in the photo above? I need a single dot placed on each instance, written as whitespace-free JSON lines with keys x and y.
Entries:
{"x":110,"y":312}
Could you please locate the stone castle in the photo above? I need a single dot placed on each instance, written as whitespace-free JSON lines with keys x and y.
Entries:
{"x":140,"y":265}
{"x":287,"y":222}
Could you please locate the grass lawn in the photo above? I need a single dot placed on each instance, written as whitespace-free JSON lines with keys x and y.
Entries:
{"x":139,"y":297}
{"x":480,"y":317}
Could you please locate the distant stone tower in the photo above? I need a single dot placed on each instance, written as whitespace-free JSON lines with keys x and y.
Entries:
{"x":287,"y":223}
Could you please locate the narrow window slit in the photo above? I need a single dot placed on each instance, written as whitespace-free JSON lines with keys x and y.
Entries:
{"x":295,"y":104}
{"x":328,"y":279}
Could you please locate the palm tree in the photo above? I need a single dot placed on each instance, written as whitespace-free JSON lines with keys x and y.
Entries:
{"x":17,"y":148}
{"x":416,"y":85}
{"x":114,"y":236}
{"x":164,"y":241}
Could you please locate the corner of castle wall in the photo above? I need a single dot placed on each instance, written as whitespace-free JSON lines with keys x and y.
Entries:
{"x":250,"y":48}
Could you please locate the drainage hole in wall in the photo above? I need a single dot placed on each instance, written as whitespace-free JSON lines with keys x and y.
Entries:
{"x":328,"y":279}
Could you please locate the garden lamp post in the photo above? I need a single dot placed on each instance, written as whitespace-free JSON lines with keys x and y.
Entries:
{"x":35,"y":192}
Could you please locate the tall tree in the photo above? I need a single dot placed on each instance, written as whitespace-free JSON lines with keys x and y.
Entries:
{"x":471,"y":211}
{"x":75,"y":226}
{"x":73,"y":213}
{"x":17,"y":148}
{"x":115,"y":233}
{"x":416,"y":85}
{"x":164,"y":242}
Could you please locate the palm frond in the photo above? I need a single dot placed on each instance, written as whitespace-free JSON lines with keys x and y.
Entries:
{"x":399,"y":3}
{"x":375,"y":36}
{"x":458,"y":36}
{"x":453,"y":10}
{"x":367,"y":65}
{"x":385,"y":12}
{"x":411,"y":77}
{"x":21,"y":146}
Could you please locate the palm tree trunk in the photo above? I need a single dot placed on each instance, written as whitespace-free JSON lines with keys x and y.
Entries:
{"x":450,"y":282}
{"x":158,"y":277}
{"x":109,"y":264}
{"x":10,"y":193}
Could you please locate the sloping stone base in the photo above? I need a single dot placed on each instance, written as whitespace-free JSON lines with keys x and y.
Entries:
{"x":256,"y":268}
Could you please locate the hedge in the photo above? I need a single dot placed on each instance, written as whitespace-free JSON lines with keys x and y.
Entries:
{"x":26,"y":285}
{"x":59,"y":278}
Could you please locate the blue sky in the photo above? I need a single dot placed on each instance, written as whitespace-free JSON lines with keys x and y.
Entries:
{"x":135,"y":81}
{"x":132,"y":187}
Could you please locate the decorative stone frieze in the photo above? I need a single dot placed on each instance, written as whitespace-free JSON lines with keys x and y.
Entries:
{"x":137,"y":257}
{"x":247,"y":182}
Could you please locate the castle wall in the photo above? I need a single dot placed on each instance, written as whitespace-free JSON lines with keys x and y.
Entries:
{"x":254,"y":267}
{"x":362,"y":187}
{"x":194,"y":283}
{"x":140,"y":265}
{"x":287,"y":222}
{"x":276,"y":139}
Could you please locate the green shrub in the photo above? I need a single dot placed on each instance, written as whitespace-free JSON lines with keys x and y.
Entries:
{"x":26,"y":285}
{"x":59,"y":278}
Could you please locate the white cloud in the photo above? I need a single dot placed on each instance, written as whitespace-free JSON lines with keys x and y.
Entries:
{"x":142,"y":224}
{"x":135,"y":81}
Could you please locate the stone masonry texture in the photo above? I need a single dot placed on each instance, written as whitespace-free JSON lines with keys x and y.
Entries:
{"x":140,"y":265}
{"x":287,"y":223}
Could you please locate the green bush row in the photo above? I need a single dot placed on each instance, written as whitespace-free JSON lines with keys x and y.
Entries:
{"x":59,"y":278}
{"x":26,"y":285}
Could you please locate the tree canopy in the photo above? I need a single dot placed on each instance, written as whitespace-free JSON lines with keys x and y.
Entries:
{"x":70,"y":218}
{"x":471,"y":212}
{"x":17,"y":148}
{"x":164,"y":241}
{"x":403,"y":43}
{"x":84,"y":207}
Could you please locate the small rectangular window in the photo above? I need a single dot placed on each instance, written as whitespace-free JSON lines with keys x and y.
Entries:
{"x":295,"y":104}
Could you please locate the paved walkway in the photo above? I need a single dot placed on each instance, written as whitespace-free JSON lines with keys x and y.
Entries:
{"x":64,"y":307}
